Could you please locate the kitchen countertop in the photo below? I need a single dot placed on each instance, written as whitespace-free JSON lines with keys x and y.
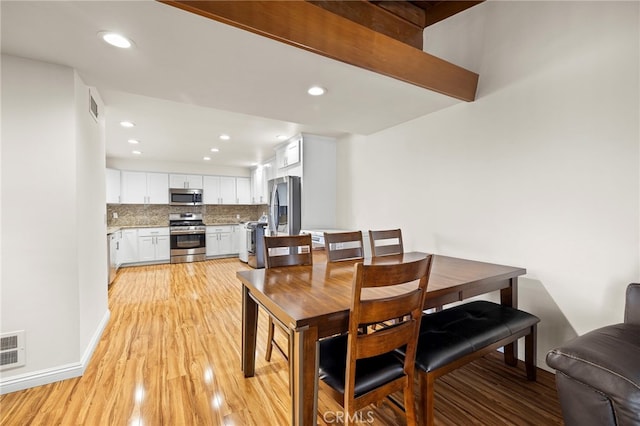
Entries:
{"x":113,"y":229}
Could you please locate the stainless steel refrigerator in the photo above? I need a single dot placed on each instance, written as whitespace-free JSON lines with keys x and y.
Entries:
{"x":285,"y":205}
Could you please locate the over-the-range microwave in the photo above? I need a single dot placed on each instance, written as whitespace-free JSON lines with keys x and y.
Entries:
{"x":185,"y":197}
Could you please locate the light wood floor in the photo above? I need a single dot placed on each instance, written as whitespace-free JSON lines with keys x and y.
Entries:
{"x":170,"y":355}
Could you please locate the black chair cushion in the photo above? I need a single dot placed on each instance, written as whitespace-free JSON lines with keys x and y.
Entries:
{"x":370,"y":372}
{"x":454,"y":332}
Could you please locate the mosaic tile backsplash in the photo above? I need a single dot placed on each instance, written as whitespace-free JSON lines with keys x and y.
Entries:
{"x":158,"y":215}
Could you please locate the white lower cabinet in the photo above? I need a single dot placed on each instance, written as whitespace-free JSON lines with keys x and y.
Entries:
{"x":219,"y":240}
{"x":235,"y":239}
{"x":153,"y":244}
{"x":128,"y":246}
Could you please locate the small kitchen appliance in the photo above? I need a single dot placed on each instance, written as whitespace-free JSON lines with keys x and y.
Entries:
{"x":185,"y":197}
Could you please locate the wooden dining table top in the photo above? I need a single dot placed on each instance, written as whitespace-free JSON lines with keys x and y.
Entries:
{"x":300,"y":296}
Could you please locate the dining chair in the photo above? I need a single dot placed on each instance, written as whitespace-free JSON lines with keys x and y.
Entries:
{"x":386,"y":242}
{"x":341,"y":246}
{"x":279,"y":251}
{"x":359,"y":369}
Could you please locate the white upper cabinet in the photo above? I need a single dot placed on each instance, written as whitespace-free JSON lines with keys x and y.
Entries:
{"x":288,"y":154}
{"x":243,"y":190}
{"x":113,"y":186}
{"x":259,"y":182}
{"x":144,"y":188}
{"x":185,"y":181}
{"x":219,"y":190}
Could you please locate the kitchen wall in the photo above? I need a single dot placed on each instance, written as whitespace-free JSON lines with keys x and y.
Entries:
{"x":53,"y":245}
{"x":541,"y":171}
{"x":158,"y":215}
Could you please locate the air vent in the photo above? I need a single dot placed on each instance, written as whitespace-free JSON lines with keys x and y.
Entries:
{"x":93,"y":107}
{"x":12,"y":353}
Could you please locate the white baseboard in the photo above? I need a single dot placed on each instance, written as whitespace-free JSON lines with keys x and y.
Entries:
{"x":55,"y":374}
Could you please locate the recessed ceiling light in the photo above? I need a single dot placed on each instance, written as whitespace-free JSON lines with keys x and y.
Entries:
{"x":136,"y":152}
{"x":133,"y":141}
{"x":281,"y":137}
{"x":206,"y":158}
{"x":127,"y":124}
{"x":214,"y":150}
{"x":316,"y":91}
{"x":115,"y":39}
{"x":225,"y":137}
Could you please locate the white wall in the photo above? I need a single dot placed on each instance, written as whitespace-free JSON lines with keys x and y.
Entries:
{"x":541,"y":171}
{"x":54,"y":274}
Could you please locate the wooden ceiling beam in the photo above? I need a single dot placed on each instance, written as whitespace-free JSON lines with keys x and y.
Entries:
{"x":374,"y":16}
{"x":441,"y":10}
{"x":304,"y":25}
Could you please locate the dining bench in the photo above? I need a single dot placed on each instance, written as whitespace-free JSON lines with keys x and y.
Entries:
{"x":453,"y":337}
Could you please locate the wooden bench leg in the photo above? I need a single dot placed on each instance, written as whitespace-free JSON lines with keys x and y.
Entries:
{"x":530,"y":343}
{"x":427,"y":384}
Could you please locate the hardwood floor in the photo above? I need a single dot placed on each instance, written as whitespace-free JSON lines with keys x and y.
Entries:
{"x":170,"y":355}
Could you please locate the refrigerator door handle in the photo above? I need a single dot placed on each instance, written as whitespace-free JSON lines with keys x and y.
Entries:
{"x":275,"y":209}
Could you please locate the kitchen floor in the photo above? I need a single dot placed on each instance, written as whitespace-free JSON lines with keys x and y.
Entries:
{"x":170,"y":355}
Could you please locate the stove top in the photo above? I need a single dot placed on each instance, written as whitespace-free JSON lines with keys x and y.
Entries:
{"x":186,"y":222}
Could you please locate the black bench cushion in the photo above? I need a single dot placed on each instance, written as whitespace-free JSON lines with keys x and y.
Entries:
{"x":370,"y":372}
{"x":452,"y":333}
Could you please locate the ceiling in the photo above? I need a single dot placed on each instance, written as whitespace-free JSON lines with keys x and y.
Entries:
{"x":189,"y":79}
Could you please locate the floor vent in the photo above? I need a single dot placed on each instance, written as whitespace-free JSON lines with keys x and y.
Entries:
{"x":12,"y":352}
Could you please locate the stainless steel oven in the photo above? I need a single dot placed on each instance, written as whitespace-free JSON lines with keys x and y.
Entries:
{"x":187,"y":233}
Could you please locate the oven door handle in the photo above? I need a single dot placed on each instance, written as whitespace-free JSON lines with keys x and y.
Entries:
{"x":186,"y":233}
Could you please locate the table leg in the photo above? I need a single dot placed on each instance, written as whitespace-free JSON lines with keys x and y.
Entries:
{"x":509,"y":297}
{"x":304,"y":372}
{"x":249,"y":332}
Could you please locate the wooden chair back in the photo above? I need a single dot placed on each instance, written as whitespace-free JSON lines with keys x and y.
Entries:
{"x":381,"y":308}
{"x":287,"y":250}
{"x":386,"y":242}
{"x":343,"y":246}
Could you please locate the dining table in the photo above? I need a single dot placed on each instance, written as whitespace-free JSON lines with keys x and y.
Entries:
{"x":312,"y":302}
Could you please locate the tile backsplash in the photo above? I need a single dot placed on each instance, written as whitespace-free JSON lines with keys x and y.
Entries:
{"x":158,"y":214}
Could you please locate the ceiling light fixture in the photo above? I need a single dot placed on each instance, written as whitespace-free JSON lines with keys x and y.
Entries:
{"x":225,"y":137}
{"x":316,"y":91}
{"x":281,"y":137}
{"x":136,"y":152}
{"x":214,"y":150}
{"x":133,"y":141}
{"x":115,"y":39}
{"x":206,"y":158}
{"x":127,"y":124}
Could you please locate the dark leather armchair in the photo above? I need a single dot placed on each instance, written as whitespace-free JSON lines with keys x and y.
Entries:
{"x":598,"y":373}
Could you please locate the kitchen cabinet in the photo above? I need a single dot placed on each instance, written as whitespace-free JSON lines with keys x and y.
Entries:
{"x":219,"y":190}
{"x":114,"y":243}
{"x":288,"y":154}
{"x":128,"y":247}
{"x":235,"y":238}
{"x":243,"y":190}
{"x":113,"y":186}
{"x":153,"y":244}
{"x":219,"y":240}
{"x":144,"y":188}
{"x":260,"y":177}
{"x":185,"y":181}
